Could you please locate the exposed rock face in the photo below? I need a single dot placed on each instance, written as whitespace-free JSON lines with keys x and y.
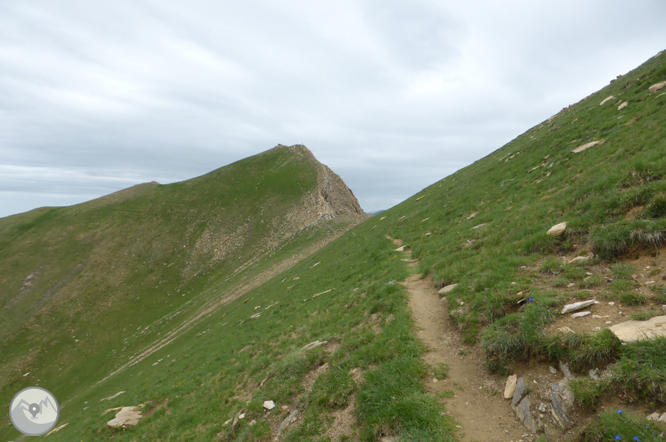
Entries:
{"x":332,"y":197}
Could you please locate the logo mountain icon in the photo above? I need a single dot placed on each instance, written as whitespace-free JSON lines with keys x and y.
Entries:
{"x":34,"y":411}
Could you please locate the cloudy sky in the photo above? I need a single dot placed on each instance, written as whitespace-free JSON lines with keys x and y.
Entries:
{"x":392,"y":95}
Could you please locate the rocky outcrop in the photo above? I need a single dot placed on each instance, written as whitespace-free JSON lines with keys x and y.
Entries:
{"x":331,"y":197}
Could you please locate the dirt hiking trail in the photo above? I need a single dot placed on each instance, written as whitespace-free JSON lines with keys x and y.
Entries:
{"x":477,"y":403}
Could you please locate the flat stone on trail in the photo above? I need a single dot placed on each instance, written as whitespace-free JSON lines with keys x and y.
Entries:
{"x":269,"y":405}
{"x":578,"y":305}
{"x":557,"y":229}
{"x":580,"y":314}
{"x":510,"y":386}
{"x":447,"y":289}
{"x":606,"y":100}
{"x":586,"y":146}
{"x":657,"y":87}
{"x":126,"y":417}
{"x":631,"y":331}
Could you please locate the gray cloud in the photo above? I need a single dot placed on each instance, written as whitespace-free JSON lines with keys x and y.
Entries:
{"x":391,"y":95}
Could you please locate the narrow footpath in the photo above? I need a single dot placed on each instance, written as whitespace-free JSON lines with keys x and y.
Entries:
{"x":477,"y":402}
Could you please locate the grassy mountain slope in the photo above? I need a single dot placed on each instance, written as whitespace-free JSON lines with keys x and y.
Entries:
{"x":88,"y":286}
{"x":483,"y":228}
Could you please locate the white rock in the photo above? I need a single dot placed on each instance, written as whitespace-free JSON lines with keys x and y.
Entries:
{"x":269,"y":405}
{"x":565,"y":330}
{"x":580,"y":314}
{"x":663,"y":418}
{"x":400,"y":249}
{"x":630,"y":331}
{"x":126,"y":417}
{"x":657,"y":87}
{"x":586,"y":146}
{"x":510,"y":386}
{"x":447,"y":289}
{"x":611,"y":303}
{"x":606,"y":100}
{"x":623,"y":105}
{"x":557,"y":229}
{"x":578,"y":305}
{"x":579,"y":259}
{"x":653,"y":417}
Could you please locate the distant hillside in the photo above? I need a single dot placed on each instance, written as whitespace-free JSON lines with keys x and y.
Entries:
{"x":83,"y":287}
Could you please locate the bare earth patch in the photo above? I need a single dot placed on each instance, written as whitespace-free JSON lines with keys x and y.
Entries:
{"x":477,"y":402}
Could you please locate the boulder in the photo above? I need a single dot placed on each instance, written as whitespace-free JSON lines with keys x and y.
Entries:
{"x":578,"y":305}
{"x":126,"y":417}
{"x":657,"y":87}
{"x":557,"y":229}
{"x":631,"y":331}
{"x":523,"y":413}
{"x":586,"y":146}
{"x":269,"y":405}
{"x":510,"y":386}
{"x":562,"y":400}
{"x":606,"y":100}
{"x":447,"y":289}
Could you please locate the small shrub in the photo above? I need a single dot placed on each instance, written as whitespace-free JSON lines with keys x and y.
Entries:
{"x":619,"y":425}
{"x":561,"y":282}
{"x":632,"y":299}
{"x":621,"y":285}
{"x":551,"y":266}
{"x":590,"y":281}
{"x":642,"y":369}
{"x":623,"y":270}
{"x":587,"y":391}
{"x":611,"y":240}
{"x":644,"y":316}
{"x":573,"y":272}
{"x":441,"y":371}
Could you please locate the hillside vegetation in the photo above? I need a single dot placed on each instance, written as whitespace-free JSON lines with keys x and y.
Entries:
{"x":330,"y":340}
{"x":87,"y":287}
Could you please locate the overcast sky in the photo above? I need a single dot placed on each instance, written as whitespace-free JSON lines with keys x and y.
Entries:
{"x":392,"y":95}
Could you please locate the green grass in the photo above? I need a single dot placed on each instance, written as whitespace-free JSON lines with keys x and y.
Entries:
{"x":95,"y":263}
{"x":627,"y":426}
